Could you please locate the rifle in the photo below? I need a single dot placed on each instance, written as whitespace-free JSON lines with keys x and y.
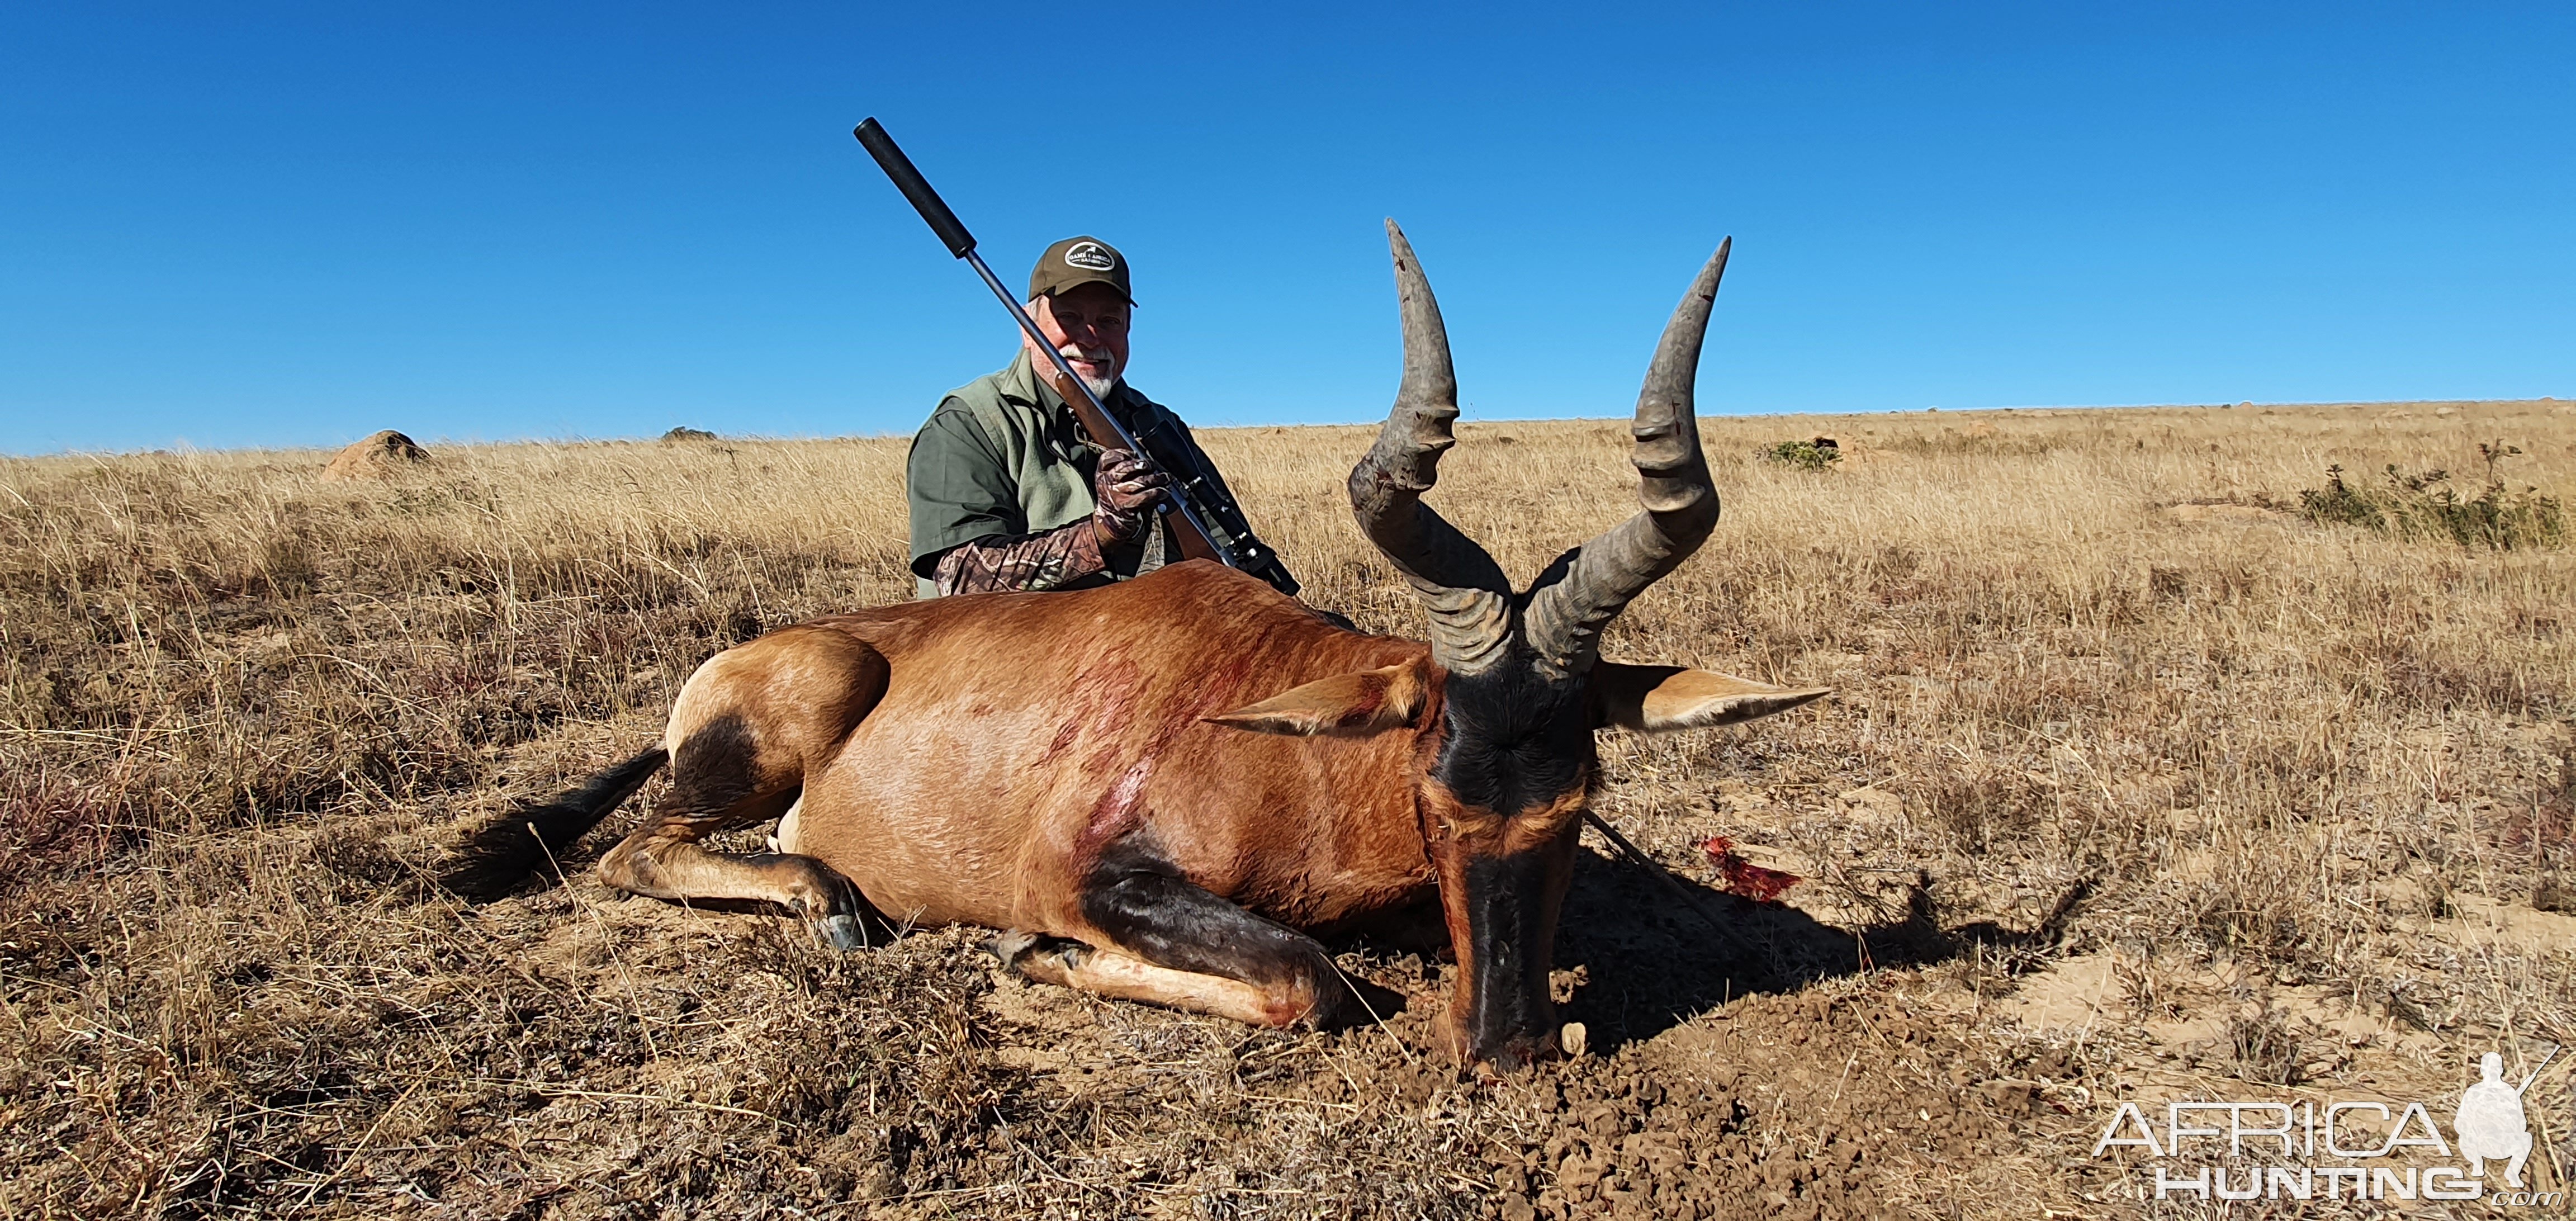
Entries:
{"x":1194,"y":497}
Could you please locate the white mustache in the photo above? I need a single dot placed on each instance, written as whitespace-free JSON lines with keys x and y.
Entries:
{"x":1096,"y":356}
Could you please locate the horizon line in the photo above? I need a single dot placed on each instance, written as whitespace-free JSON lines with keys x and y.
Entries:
{"x":182,"y":446}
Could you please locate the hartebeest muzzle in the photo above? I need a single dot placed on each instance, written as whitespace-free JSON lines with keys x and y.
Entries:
{"x":1503,"y":910}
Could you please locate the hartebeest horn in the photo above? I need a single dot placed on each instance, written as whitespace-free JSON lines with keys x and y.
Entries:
{"x":1596,"y":580}
{"x":1465,"y":592}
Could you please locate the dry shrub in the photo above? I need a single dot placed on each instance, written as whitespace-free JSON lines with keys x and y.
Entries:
{"x":2425,"y":505}
{"x":1818,"y":454}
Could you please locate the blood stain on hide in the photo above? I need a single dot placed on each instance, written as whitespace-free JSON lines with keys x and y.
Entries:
{"x":1064,"y":738}
{"x":1119,"y":810}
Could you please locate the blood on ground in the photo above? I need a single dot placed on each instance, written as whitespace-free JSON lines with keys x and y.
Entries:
{"x":1738,"y":876}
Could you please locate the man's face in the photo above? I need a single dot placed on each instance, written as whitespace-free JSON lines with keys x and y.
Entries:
{"x":1089,"y":325}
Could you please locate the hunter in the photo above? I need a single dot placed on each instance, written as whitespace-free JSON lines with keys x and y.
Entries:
{"x":1006,"y":493}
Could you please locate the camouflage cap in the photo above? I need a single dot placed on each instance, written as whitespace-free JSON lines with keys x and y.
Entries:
{"x":1076,"y":261}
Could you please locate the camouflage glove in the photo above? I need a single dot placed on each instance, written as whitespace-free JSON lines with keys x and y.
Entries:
{"x":1124,"y":490}
{"x":1002,"y":562}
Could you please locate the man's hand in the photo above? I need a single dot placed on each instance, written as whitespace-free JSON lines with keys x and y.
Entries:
{"x":1125,"y":489}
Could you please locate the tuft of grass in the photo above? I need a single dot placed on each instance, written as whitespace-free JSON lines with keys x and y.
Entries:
{"x":2264,"y":1046}
{"x":1980,"y":807}
{"x":2425,"y":505}
{"x":2552,"y":893}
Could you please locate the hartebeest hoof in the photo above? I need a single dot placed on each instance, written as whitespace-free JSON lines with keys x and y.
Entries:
{"x":819,"y":893}
{"x":1348,"y":1000}
{"x":844,"y":932}
{"x":1010,"y":944}
{"x":1038,"y":958}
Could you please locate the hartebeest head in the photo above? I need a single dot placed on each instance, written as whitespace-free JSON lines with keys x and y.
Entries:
{"x":1505,"y":707}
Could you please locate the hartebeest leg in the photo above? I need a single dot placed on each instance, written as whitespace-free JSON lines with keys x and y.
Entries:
{"x":1173,"y":943}
{"x":661,"y":860}
{"x":1071,"y":964}
{"x":718,"y":786}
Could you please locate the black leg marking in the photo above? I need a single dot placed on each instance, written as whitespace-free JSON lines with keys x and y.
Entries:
{"x":1149,"y":910}
{"x":712,"y":779}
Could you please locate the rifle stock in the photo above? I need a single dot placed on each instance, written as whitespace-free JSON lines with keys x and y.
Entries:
{"x":1184,"y":528}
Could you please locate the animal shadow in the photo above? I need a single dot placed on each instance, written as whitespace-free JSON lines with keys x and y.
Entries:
{"x":1652,"y":962}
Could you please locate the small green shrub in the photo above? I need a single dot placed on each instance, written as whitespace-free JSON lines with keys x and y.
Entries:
{"x":2425,"y":505}
{"x":1817,"y":455}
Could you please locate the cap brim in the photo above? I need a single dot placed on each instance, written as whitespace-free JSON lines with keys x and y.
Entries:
{"x":1103,"y":281}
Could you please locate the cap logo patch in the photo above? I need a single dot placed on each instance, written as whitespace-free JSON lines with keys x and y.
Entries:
{"x":1090,"y":256}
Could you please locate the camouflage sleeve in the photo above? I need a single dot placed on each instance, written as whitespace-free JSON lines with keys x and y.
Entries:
{"x":1000,"y":562}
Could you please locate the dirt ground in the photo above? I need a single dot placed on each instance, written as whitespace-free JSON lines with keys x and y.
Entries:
{"x":2140,"y":787}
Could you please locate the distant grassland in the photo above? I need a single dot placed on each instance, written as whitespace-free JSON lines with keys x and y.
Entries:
{"x":2092,"y":652}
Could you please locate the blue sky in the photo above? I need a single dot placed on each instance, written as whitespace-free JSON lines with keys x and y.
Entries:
{"x":292,"y":225}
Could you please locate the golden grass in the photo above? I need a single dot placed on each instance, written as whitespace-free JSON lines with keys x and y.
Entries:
{"x":2100,"y":695}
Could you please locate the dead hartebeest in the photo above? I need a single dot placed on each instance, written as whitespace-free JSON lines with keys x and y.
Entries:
{"x":1165,"y":789}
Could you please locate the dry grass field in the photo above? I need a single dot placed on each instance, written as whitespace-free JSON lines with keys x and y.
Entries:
{"x":2139,"y":786}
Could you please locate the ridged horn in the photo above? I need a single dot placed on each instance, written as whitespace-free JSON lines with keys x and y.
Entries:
{"x":1463,"y":589}
{"x":1595,"y":581}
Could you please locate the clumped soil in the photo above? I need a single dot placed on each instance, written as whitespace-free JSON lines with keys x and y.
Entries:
{"x":2114,"y":802}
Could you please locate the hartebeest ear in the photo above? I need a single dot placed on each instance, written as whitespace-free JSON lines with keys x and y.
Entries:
{"x":1656,"y":698}
{"x":1351,"y":705}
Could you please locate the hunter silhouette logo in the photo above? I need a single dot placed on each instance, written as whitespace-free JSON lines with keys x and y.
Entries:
{"x":2490,"y":1121}
{"x":1090,"y":256}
